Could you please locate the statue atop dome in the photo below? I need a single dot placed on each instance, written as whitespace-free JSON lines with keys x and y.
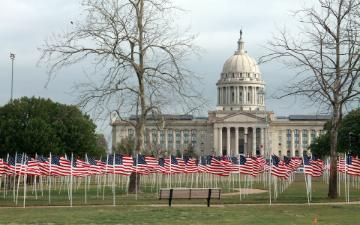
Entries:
{"x":241,"y":49}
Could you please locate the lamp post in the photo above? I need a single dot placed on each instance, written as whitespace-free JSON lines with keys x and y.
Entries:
{"x":350,"y":134}
{"x":261,"y":93}
{"x":12,"y":57}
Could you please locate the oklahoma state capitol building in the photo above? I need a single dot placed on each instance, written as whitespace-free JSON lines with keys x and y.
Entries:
{"x":240,"y":123}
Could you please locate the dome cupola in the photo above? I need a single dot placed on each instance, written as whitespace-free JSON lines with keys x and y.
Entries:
{"x":240,"y":86}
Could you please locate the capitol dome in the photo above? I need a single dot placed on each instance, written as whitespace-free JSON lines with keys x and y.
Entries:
{"x":240,"y":63}
{"x":240,"y":86}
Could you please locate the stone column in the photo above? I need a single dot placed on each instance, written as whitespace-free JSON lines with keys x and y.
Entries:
{"x":244,"y":95}
{"x":283,"y":145}
{"x":158,"y":137}
{"x":309,"y":137}
{"x":181,"y":140}
{"x":236,"y":140}
{"x":174,"y":141}
{"x":237,"y":94}
{"x":150,"y":138}
{"x":228,"y":141}
{"x":262,"y":141}
{"x":245,"y":140}
{"x":254,"y":141}
{"x":292,"y":143}
{"x":216,"y":138}
{"x":317,"y":133}
{"x":220,"y":141}
{"x":166,"y":139}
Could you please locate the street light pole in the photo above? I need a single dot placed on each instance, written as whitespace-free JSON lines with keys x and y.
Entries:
{"x":12,"y":57}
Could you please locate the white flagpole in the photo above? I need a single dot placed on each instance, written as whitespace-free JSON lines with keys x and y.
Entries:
{"x":50,"y":164}
{"x":14,"y":174}
{"x":85,"y":177}
{"x":136,"y":172}
{"x":71,"y":178}
{"x":270,"y":179}
{"x":25,"y":178}
{"x":18,"y":184}
{"x":345,"y":182}
{"x":306,"y":183}
{"x":5,"y":183}
{"x":113,"y":181}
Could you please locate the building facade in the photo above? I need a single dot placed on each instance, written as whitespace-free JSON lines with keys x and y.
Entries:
{"x":240,"y":123}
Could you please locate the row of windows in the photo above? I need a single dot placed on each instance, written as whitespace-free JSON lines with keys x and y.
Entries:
{"x":297,"y":137}
{"x":188,"y":136}
{"x":239,"y":75}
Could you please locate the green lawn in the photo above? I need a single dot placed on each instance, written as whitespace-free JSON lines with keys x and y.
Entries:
{"x":147,"y":209}
{"x":229,"y":214}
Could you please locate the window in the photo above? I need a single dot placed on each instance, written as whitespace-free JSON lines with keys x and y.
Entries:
{"x":288,"y":138}
{"x":193,"y":137}
{"x":296,"y":137}
{"x":313,"y":136}
{"x":162,"y":137}
{"x":170,"y":136}
{"x":177,"y":134}
{"x":154,"y":136}
{"x":304,"y":138}
{"x":186,"y":137}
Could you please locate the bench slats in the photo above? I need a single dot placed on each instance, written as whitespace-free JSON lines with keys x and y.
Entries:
{"x":190,"y":193}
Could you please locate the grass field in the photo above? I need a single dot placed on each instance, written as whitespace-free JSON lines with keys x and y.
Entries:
{"x":229,"y":214}
{"x":147,"y":209}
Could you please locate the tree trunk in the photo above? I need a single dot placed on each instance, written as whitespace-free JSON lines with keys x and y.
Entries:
{"x":335,"y":121}
{"x":134,"y":183}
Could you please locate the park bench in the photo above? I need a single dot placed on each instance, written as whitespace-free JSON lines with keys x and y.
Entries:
{"x":189,"y":193}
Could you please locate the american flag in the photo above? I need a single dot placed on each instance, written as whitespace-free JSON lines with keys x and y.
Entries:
{"x":152,"y":163}
{"x":341,"y":165}
{"x":140,"y":165}
{"x":215,"y":166}
{"x":202,"y":165}
{"x":353,"y":165}
{"x":172,"y":165}
{"x":2,"y":167}
{"x":279,"y":168}
{"x":119,"y":164}
{"x":94,"y":168}
{"x":57,"y":169}
{"x":308,"y":168}
{"x":161,"y":167}
{"x":191,"y":166}
{"x":246,"y":165}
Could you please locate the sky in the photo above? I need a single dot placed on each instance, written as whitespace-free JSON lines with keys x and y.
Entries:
{"x":25,"y":24}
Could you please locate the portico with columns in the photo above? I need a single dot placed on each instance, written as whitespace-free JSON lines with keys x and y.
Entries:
{"x":239,"y":139}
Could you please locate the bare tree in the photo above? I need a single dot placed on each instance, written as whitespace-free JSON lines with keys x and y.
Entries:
{"x":326,"y":55}
{"x":140,"y":53}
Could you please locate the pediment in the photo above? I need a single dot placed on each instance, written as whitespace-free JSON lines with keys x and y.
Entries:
{"x":241,"y":117}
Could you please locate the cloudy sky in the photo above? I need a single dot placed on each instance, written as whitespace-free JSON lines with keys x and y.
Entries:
{"x":25,"y":24}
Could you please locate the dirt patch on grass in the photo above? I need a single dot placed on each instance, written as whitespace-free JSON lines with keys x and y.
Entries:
{"x":247,"y":191}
